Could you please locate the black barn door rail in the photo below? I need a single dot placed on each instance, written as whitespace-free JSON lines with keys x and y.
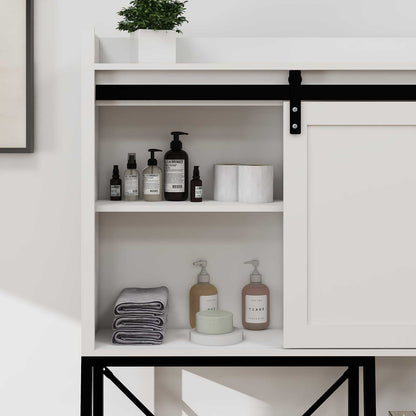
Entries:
{"x":308,"y":92}
{"x":191,"y":92}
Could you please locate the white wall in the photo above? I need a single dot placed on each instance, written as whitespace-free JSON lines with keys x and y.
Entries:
{"x":40,"y":202}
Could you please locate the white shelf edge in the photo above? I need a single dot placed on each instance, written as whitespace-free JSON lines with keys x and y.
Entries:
{"x":256,"y":343}
{"x":281,"y":66}
{"x":190,"y":67}
{"x":188,"y":103}
{"x":186,"y":206}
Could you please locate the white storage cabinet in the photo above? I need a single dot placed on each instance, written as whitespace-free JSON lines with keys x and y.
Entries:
{"x":337,"y":245}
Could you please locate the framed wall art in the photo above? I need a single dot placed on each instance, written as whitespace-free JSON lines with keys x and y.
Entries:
{"x":16,"y":76}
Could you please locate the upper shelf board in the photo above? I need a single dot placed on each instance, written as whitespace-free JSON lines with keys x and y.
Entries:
{"x":186,"y":206}
{"x":188,"y":103}
{"x":279,"y":66}
{"x":114,"y":53}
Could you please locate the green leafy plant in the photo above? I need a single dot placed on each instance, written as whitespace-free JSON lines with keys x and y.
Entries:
{"x":153,"y":14}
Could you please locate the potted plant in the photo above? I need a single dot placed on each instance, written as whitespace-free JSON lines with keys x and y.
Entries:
{"x":153,"y":24}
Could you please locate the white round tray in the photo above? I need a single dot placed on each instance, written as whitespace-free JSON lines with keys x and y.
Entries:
{"x":231,"y":338}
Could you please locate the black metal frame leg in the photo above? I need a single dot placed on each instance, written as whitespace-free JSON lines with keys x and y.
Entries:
{"x":369,"y":376}
{"x":353,"y":391}
{"x":98,"y":391}
{"x":86,"y":387}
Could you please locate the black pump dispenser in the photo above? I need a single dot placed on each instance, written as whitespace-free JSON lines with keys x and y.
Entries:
{"x":176,"y":170}
{"x":152,"y":161}
{"x":176,"y":144}
{"x":131,"y":163}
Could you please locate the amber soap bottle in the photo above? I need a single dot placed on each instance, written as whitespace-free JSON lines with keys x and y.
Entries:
{"x":256,"y":301}
{"x":203,"y":296}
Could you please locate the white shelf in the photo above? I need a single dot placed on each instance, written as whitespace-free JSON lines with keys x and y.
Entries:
{"x":256,"y":343}
{"x":186,"y":206}
{"x":177,"y":343}
{"x":190,"y":67}
{"x":188,"y":103}
{"x":292,"y":64}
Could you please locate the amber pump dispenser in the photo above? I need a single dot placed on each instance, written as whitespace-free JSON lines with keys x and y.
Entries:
{"x":256,"y":301}
{"x":176,"y":170}
{"x":203,"y":296}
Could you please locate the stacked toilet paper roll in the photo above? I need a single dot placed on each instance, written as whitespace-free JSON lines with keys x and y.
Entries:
{"x":226,"y":183}
{"x":243,"y":183}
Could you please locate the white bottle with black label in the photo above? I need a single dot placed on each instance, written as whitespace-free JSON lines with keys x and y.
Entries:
{"x":131,"y":179}
{"x":176,"y":170}
{"x":203,"y":296}
{"x":152,"y":179}
{"x":256,"y":301}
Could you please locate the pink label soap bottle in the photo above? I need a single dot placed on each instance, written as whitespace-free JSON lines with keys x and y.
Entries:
{"x":256,"y":301}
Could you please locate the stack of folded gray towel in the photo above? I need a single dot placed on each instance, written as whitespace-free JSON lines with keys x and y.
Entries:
{"x":140,"y":316}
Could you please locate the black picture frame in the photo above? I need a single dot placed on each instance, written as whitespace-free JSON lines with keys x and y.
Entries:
{"x":29,"y":148}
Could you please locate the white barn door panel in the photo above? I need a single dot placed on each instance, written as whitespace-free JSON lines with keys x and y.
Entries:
{"x":350,"y":226}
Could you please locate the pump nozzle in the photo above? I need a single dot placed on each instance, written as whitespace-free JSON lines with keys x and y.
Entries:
{"x":203,"y":275}
{"x":255,"y":276}
{"x":131,"y":162}
{"x":176,"y":144}
{"x":152,"y":161}
{"x":116,"y":173}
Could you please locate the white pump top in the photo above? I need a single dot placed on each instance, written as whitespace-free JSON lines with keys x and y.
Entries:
{"x":203,"y":276}
{"x":255,"y":276}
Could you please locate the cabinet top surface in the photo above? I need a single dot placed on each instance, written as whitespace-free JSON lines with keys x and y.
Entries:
{"x":266,"y":54}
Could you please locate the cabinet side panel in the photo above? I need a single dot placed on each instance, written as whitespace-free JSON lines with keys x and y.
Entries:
{"x":88,"y":193}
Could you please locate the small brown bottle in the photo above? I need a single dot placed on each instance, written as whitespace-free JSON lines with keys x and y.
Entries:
{"x":256,"y":301}
{"x":115,"y":185}
{"x":196,"y":186}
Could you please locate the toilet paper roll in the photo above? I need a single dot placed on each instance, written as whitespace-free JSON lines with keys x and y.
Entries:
{"x":226,"y":183}
{"x":255,"y":183}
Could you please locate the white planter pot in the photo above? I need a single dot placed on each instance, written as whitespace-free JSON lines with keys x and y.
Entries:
{"x":154,"y":46}
{"x":255,"y":183}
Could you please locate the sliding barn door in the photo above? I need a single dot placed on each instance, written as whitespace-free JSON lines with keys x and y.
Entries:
{"x":350,"y":226}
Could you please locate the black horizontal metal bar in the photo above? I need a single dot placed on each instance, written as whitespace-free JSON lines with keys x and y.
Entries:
{"x":127,"y":392}
{"x":327,"y":394}
{"x":256,"y":92}
{"x":220,"y":361}
{"x":192,"y":92}
{"x":357,"y":92}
